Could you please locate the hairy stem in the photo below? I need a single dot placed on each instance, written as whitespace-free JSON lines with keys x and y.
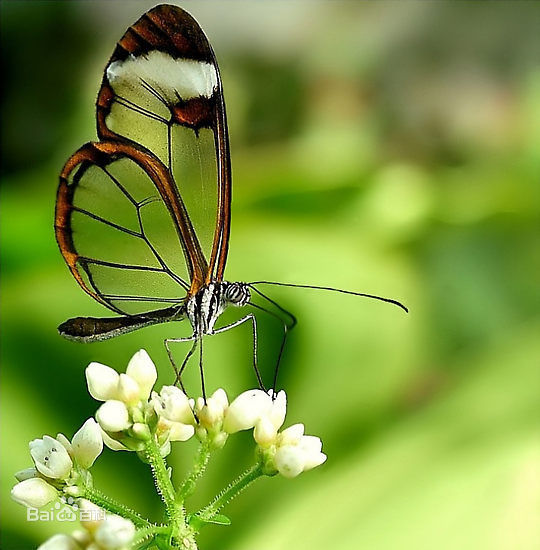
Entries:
{"x":230,"y":492}
{"x":199,"y":466}
{"x":110,"y":505}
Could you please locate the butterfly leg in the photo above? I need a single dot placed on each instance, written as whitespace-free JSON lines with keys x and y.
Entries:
{"x":249,"y":317}
{"x":179,"y":371}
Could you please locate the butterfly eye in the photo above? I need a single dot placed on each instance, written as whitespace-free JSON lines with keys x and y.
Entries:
{"x":237,"y":294}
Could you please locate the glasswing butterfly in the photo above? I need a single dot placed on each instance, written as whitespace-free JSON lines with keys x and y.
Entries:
{"x":143,"y":215}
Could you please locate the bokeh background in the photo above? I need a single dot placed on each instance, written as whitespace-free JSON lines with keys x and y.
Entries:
{"x":389,"y":147}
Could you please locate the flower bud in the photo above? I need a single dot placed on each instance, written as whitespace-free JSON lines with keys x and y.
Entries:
{"x":87,"y":444}
{"x":35,"y":492}
{"x":102,"y":381}
{"x":142,"y":369}
{"x":113,"y":416}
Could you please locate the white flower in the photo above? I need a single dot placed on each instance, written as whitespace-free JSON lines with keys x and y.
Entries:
{"x":296,"y":452}
{"x":51,"y":457}
{"x":114,"y":533}
{"x":173,"y":404}
{"x":113,"y":416}
{"x":211,"y":412}
{"x":60,"y":542}
{"x":102,"y":381}
{"x":244,"y":412}
{"x":87,"y":444}
{"x":34,"y":492}
{"x":142,"y":369}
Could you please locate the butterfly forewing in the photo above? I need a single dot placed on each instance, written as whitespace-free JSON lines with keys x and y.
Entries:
{"x":162,"y":90}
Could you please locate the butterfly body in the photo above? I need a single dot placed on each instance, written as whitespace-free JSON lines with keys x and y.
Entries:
{"x":204,"y":308}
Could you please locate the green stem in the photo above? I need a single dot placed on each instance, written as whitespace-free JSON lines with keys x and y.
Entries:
{"x":146,"y":532}
{"x":179,"y":530}
{"x":200,"y":463}
{"x":109,"y":504}
{"x":161,"y":476}
{"x":231,"y":491}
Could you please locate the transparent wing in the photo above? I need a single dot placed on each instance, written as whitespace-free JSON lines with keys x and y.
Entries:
{"x":121,"y":230}
{"x":162,"y":91}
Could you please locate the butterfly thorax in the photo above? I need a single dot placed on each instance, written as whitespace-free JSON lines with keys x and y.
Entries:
{"x":204,"y":308}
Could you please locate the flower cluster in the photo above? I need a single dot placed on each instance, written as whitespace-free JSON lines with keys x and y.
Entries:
{"x":60,"y":466}
{"x":132,"y":413}
{"x":133,"y":416}
{"x":100,"y":532}
{"x":289,"y":452}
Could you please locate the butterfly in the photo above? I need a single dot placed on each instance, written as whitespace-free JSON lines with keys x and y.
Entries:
{"x":143,"y":215}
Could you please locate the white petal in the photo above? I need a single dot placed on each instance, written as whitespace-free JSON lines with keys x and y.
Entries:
{"x":181,"y":432}
{"x":113,"y":444}
{"x":128,"y":390}
{"x":173,"y":404}
{"x":289,"y":460}
{"x":115,"y":532}
{"x":311,"y":444}
{"x":142,"y":369}
{"x":113,"y":416}
{"x":87,"y":443}
{"x":314,"y":460}
{"x":35,"y":492}
{"x":65,"y":442}
{"x":102,"y":381}
{"x":246,"y":410}
{"x":265,"y":432}
{"x":292,"y":435}
{"x":51,"y":457}
{"x":279,"y":410}
{"x":27,"y":473}
{"x":60,"y":542}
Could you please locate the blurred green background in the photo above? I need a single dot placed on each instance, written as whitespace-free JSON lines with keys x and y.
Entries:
{"x":389,"y":147}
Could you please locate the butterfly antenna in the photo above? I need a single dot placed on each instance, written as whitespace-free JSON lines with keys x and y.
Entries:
{"x":372,"y":296}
